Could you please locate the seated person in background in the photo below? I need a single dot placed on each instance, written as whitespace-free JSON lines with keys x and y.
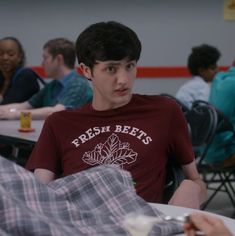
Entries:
{"x":67,"y":90}
{"x":202,"y":64}
{"x":138,"y":132}
{"x":17,"y":83}
{"x":208,"y":224}
{"x":222,"y":97}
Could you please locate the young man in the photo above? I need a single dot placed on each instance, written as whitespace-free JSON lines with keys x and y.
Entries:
{"x":202,"y":64}
{"x":139,"y":133}
{"x":67,"y":90}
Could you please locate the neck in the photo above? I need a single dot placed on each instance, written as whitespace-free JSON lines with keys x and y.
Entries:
{"x":7,"y":74}
{"x":99,"y":104}
{"x":63,"y":72}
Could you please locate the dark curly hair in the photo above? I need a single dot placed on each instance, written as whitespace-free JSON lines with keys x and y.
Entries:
{"x":202,"y":56}
{"x":107,"y":41}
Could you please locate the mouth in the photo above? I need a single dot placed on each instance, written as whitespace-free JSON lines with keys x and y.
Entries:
{"x":5,"y":66}
{"x":122,"y":92}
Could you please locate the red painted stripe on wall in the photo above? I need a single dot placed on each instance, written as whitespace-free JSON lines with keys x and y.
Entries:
{"x":148,"y":71}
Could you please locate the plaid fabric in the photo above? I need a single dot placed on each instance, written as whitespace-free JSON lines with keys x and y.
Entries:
{"x":92,"y":202}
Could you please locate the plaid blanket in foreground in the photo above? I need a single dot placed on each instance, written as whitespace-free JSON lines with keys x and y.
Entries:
{"x":92,"y":202}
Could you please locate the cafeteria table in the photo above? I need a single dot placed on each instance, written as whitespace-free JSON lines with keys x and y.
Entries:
{"x":11,"y":136}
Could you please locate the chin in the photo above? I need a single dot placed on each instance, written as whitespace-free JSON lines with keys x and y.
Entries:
{"x":123,"y":100}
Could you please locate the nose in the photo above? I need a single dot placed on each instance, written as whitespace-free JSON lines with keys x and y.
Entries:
{"x":122,"y":77}
{"x":5,"y":56}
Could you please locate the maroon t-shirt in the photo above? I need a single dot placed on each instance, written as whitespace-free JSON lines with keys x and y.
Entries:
{"x":140,"y":137}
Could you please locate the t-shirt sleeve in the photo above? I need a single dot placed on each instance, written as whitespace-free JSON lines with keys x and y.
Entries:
{"x":180,"y":146}
{"x":45,"y":154}
{"x":76,"y":94}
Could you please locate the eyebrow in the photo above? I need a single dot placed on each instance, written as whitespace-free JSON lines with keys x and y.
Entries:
{"x":113,"y":63}
{"x":108,"y":63}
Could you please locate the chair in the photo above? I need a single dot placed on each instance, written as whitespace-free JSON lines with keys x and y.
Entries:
{"x":205,"y":123}
{"x":202,"y":123}
{"x":174,"y":177}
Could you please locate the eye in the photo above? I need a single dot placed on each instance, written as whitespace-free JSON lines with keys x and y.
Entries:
{"x":131,"y":66}
{"x":111,"y":69}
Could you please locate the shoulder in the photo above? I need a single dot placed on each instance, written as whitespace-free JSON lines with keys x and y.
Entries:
{"x":156,"y":101}
{"x":194,"y":86}
{"x":22,"y":74}
{"x":70,"y":113}
{"x":225,"y":75}
{"x":195,"y":81}
{"x":67,"y":116}
{"x":50,"y":84}
{"x":77,"y":80}
{"x":26,"y":71}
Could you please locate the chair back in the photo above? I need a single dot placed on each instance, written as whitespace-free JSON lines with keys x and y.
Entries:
{"x":202,"y":121}
{"x":206,"y":121}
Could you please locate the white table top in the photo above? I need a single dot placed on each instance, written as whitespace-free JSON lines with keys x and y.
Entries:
{"x":180,"y":211}
{"x":9,"y":130}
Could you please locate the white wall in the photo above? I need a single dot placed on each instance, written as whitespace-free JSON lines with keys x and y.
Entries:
{"x":167,"y":29}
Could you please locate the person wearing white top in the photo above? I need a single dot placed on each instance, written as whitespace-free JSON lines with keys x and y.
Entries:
{"x":202,"y":64}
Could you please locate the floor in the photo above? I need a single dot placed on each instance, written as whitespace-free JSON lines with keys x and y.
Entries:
{"x":221,"y":204}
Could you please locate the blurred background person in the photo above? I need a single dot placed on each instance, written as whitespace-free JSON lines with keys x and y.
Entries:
{"x":66,"y":90}
{"x":202,"y":64}
{"x":17,"y":83}
{"x":222,"y":149}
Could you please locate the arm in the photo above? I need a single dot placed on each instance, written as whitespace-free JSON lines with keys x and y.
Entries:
{"x":183,"y":95}
{"x":45,"y":160}
{"x":44,"y":112}
{"x":13,"y":112}
{"x":192,"y":191}
{"x":17,"y":106}
{"x":208,"y":224}
{"x":44,"y":176}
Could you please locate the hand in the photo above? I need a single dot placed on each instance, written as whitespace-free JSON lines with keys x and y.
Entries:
{"x":209,"y":225}
{"x":6,"y":114}
{"x":186,"y":195}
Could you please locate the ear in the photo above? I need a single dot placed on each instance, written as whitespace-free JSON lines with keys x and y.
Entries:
{"x":60,"y":58}
{"x":86,"y":71}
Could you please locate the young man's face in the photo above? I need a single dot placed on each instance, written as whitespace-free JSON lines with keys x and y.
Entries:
{"x":112,"y":83}
{"x":49,"y":64}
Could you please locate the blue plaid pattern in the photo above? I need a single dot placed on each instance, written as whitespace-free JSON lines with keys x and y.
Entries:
{"x":92,"y":202}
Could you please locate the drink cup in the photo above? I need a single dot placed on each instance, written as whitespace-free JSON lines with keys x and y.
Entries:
{"x":25,"y":120}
